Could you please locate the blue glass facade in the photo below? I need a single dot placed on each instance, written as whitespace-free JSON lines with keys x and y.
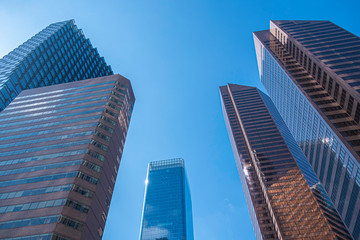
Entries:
{"x":58,"y":54}
{"x":167,"y":213}
{"x":303,"y":164}
{"x":333,"y":163}
{"x":290,"y":142}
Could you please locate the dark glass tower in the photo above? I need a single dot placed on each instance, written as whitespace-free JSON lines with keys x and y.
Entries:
{"x":284,"y":197}
{"x":167,"y":213}
{"x":311,"y":71}
{"x":58,"y":54}
{"x":60,"y":150}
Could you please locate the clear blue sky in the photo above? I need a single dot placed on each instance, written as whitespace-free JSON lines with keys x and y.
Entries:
{"x":176,"y":54}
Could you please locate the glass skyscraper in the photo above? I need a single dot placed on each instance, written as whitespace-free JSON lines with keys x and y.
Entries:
{"x":58,"y":54}
{"x":311,"y":72}
{"x":167,"y":213}
{"x":283,"y":194}
{"x":60,"y":150}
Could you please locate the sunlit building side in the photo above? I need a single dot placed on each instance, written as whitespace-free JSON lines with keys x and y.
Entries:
{"x":284,"y":197}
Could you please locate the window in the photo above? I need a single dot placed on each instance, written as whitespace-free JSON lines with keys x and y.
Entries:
{"x":102,"y":136}
{"x":99,"y":145}
{"x":77,"y":206}
{"x":297,"y":54}
{"x":342,"y":99}
{"x":336,"y":92}
{"x":28,"y":222}
{"x":350,"y":105}
{"x":96,"y":155}
{"x":106,"y":128}
{"x":83,"y":191}
{"x":293,"y":51}
{"x":357,"y":113}
{"x":348,"y":71}
{"x":319,"y":75}
{"x":91,"y":166}
{"x":70,"y":223}
{"x":314,"y":71}
{"x":330,"y":84}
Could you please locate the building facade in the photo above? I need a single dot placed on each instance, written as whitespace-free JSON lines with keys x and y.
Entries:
{"x":167,"y":212}
{"x":60,"y":53}
{"x":60,"y":150}
{"x":315,"y":66}
{"x":283,"y":194}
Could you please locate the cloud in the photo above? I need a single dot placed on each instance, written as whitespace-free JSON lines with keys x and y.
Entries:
{"x":229,"y":205}
{"x":151,"y":233}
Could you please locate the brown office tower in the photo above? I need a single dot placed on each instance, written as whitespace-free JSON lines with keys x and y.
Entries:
{"x":60,"y":150}
{"x":311,"y":70}
{"x":283,"y":194}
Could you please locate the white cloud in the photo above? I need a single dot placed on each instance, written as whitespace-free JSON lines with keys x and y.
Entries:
{"x":152,"y":233}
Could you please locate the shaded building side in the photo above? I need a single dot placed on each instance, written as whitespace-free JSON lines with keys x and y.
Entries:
{"x":60,"y":150}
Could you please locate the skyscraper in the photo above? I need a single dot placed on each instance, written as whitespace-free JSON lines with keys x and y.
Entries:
{"x":311,"y":72}
{"x":167,"y":213}
{"x":60,"y":150}
{"x":284,"y":197}
{"x":58,"y":54}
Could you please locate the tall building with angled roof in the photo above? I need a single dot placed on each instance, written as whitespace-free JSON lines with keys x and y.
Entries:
{"x":311,"y":70}
{"x":167,"y":213}
{"x":283,"y":194}
{"x":59,"y":53}
{"x":60,"y":151}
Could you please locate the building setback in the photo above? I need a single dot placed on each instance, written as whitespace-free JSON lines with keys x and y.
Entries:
{"x":60,"y":53}
{"x":60,"y":150}
{"x":311,"y":71}
{"x":283,"y":194}
{"x":167,"y":213}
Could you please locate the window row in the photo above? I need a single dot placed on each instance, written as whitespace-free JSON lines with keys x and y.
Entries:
{"x":54,"y":130}
{"x":36,"y":191}
{"x":42,"y":157}
{"x":40,"y":167}
{"x":39,"y":140}
{"x":32,"y":206}
{"x":51,"y":112}
{"x":44,"y":148}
